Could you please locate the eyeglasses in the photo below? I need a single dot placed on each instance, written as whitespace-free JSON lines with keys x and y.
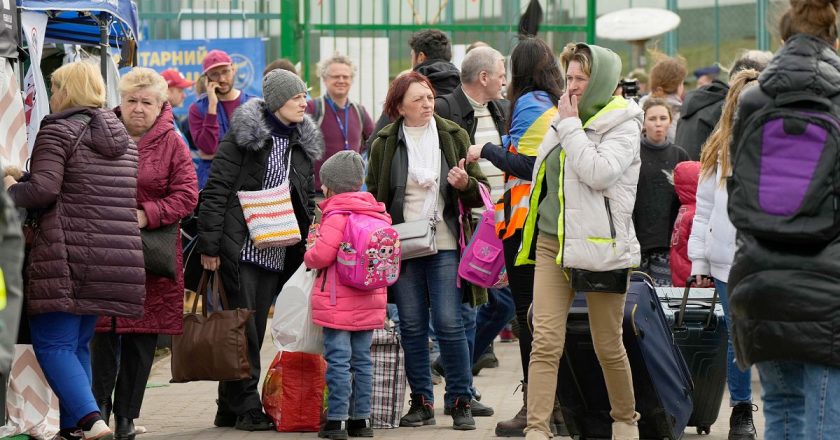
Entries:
{"x":214,"y":76}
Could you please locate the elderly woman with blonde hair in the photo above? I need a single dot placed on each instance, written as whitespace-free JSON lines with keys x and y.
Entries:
{"x":86,"y":258}
{"x":167,"y":190}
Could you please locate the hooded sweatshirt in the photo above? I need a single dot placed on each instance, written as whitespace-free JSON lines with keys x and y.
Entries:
{"x":686,"y":176}
{"x":698,"y":117}
{"x":606,"y":69}
{"x":443,"y":75}
{"x":347,"y":308}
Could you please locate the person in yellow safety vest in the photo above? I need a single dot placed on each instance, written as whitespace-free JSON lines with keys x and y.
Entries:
{"x":536,"y":85}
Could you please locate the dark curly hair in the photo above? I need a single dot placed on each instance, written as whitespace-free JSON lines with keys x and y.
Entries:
{"x":433,"y":43}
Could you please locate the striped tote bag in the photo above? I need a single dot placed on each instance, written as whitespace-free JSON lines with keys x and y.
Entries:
{"x":270,"y":216}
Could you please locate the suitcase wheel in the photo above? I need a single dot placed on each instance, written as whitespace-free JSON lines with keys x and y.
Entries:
{"x":704,"y":430}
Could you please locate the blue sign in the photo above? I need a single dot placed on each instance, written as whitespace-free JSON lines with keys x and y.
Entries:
{"x":248,"y":55}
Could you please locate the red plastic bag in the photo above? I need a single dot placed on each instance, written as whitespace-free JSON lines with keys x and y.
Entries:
{"x":293,"y":391}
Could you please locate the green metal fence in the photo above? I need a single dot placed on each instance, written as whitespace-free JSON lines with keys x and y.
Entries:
{"x":375,"y":32}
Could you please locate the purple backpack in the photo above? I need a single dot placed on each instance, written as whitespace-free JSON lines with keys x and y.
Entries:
{"x":369,"y":255}
{"x":483,"y":260}
{"x":786,"y":171}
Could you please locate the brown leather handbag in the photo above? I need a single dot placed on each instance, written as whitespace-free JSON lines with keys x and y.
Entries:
{"x":213,"y":347}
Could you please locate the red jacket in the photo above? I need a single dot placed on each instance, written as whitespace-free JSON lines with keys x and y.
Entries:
{"x":686,"y":176}
{"x":353,"y":309}
{"x":167,"y":190}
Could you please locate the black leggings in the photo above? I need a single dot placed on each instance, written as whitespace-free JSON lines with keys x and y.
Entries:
{"x":521,"y":280}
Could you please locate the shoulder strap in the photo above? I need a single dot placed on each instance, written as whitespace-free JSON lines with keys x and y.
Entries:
{"x":86,"y":121}
{"x":360,"y":112}
{"x":319,"y":110}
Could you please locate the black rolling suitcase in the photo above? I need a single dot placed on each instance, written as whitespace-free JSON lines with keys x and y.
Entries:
{"x":700,"y":332}
{"x":661,"y":379}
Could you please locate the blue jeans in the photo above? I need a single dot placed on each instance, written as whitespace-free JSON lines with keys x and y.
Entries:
{"x":739,"y":382}
{"x":349,"y":373}
{"x":797,"y":402}
{"x":429,"y":282}
{"x":492,"y":318}
{"x":61,"y":344}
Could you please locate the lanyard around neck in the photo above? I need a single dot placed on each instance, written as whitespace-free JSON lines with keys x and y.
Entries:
{"x":342,"y":126}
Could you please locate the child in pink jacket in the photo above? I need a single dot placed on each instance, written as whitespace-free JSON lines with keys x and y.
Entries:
{"x":350,"y":316}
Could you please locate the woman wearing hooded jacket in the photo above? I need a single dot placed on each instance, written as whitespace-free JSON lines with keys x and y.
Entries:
{"x":265,"y":135}
{"x":784,"y":296}
{"x":584,"y":223}
{"x":87,"y":255}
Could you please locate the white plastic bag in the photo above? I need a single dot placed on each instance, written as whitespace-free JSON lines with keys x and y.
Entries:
{"x":291,"y":327}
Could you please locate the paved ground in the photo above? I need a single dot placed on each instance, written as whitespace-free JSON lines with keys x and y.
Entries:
{"x":185,"y":411}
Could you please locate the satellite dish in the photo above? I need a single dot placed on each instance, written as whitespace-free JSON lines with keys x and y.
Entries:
{"x":636,"y":26}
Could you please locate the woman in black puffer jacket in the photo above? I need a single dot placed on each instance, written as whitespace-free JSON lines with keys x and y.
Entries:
{"x":785,"y":298}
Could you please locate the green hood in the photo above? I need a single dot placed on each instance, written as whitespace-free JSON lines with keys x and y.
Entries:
{"x":606,"y":72}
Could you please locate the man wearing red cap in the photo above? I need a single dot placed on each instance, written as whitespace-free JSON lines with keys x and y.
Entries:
{"x":175,"y":95}
{"x":210,"y":115}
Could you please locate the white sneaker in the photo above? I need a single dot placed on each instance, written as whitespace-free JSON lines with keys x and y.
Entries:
{"x":625,"y":431}
{"x":99,"y":431}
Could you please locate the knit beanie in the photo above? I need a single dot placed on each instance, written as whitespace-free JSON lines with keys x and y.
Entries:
{"x":279,"y":86}
{"x":343,"y":172}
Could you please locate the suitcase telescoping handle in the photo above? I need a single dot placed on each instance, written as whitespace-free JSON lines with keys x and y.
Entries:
{"x":690,"y":282}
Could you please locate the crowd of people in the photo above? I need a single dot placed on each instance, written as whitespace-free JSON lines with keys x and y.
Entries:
{"x":585,"y":180}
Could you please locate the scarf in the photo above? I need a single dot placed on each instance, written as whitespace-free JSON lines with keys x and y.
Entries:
{"x":424,"y":164}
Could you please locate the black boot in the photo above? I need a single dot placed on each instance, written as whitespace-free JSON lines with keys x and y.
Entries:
{"x":334,"y":430}
{"x":420,"y":413}
{"x":486,"y":360}
{"x":359,"y":428}
{"x":105,"y":410}
{"x":741,"y":425}
{"x":558,"y":427}
{"x":124,"y":429}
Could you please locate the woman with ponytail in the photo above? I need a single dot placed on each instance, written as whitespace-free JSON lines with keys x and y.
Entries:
{"x":711,"y":245}
{"x":784,"y":300}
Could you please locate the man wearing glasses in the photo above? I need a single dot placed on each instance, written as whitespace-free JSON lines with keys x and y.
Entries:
{"x":346,"y":125}
{"x":210,"y":115}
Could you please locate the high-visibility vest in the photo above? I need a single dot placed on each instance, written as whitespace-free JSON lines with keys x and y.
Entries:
{"x":512,"y":208}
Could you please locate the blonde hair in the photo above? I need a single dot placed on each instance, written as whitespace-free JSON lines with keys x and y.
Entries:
{"x":577,"y":52}
{"x":81,"y":83}
{"x":141,"y":78}
{"x":716,"y":148}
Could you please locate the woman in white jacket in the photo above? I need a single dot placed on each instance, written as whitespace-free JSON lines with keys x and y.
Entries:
{"x":711,"y":246}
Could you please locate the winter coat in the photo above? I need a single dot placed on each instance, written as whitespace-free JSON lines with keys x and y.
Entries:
{"x":443,"y":75}
{"x":599,"y":165}
{"x":699,"y":114}
{"x":686,"y":175}
{"x":388,"y":174}
{"x":87,"y":258}
{"x":166,"y":191}
{"x":711,"y":245}
{"x":240,"y":166}
{"x":657,"y":204}
{"x":350,"y":309}
{"x":456,"y":107}
{"x":784,"y":298}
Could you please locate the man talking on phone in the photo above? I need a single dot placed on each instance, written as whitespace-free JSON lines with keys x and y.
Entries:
{"x":211,"y":113}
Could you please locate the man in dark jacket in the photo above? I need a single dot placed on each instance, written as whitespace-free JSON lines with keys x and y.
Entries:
{"x":476,"y":105}
{"x":430,"y":55}
{"x":702,"y":107}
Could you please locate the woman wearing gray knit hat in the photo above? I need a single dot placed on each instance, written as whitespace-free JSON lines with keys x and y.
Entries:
{"x":270,"y":141}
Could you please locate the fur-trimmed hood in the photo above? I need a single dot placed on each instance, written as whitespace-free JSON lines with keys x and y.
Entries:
{"x":251,"y":131}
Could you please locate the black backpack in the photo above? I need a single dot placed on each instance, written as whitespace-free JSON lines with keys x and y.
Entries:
{"x":785,"y":179}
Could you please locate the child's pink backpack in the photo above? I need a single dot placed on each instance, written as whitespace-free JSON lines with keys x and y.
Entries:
{"x":483,"y":261}
{"x":369,"y":256}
